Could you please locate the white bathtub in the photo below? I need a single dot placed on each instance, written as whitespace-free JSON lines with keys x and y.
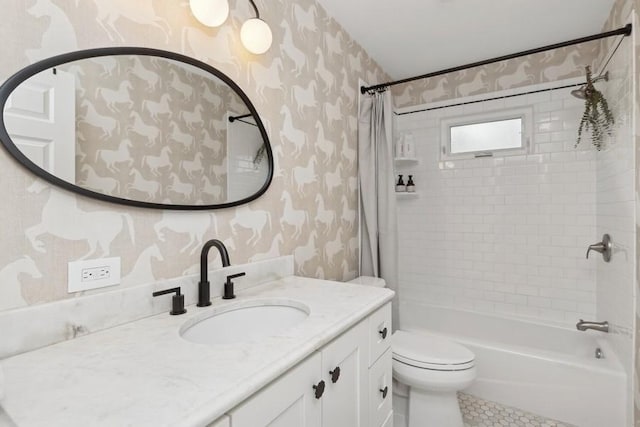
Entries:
{"x":547,"y":370}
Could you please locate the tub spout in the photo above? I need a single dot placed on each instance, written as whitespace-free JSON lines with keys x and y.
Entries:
{"x":596,"y":326}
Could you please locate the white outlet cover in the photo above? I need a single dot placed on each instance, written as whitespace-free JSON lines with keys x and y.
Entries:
{"x":74,"y":274}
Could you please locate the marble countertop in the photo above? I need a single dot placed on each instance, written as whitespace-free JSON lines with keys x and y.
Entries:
{"x":144,"y":373}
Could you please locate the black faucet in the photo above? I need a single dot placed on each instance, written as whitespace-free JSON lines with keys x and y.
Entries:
{"x":204,"y":290}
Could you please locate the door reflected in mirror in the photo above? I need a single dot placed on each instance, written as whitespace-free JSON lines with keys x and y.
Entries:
{"x":142,"y":128}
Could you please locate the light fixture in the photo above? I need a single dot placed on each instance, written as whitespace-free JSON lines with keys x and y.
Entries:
{"x":211,"y":13}
{"x":255,"y":34}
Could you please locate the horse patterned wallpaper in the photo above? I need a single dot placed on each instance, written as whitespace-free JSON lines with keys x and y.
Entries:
{"x":305,"y":90}
{"x":528,"y":70}
{"x":151,"y":129}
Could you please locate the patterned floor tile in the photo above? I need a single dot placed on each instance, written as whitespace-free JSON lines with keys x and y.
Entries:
{"x":477,"y":412}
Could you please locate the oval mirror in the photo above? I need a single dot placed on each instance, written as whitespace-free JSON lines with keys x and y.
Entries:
{"x":137,"y":126}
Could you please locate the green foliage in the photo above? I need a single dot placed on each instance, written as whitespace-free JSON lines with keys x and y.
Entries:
{"x":597,"y":116}
{"x":259,"y":155}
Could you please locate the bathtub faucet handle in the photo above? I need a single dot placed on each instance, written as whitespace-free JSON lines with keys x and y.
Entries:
{"x":603,"y":247}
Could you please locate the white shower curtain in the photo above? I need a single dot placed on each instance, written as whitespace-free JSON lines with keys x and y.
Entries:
{"x":379,"y":223}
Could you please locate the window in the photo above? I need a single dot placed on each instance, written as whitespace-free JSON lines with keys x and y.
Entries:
{"x":479,"y":135}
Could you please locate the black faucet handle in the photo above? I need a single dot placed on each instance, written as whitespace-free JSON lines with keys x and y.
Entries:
{"x":177,"y":306}
{"x":228,"y":286}
{"x":233,"y":276}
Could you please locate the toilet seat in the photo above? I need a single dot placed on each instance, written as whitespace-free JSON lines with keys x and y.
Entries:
{"x":430,"y":352}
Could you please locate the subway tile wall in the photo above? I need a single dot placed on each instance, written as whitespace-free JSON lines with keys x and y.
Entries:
{"x":615,"y":212}
{"x":504,"y":235}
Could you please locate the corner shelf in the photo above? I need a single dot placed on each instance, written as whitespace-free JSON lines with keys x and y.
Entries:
{"x":404,"y":195}
{"x":406,"y":159}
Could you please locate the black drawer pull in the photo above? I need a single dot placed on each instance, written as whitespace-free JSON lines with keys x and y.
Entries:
{"x":384,"y":391}
{"x":335,"y":374}
{"x":383,"y":333}
{"x":319,"y":388}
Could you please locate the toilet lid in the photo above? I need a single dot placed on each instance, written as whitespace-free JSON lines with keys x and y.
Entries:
{"x":430,"y":352}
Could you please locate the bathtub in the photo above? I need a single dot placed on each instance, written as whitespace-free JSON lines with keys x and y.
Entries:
{"x":547,"y":370}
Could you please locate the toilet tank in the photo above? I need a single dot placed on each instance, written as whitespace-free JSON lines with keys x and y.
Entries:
{"x":369,"y":281}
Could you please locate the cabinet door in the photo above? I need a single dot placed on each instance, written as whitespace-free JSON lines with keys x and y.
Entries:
{"x":389,"y":421}
{"x":344,"y":403}
{"x":287,"y":402}
{"x":380,"y":393}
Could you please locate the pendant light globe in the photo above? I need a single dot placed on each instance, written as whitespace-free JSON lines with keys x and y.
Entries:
{"x":256,"y":36}
{"x":211,"y":13}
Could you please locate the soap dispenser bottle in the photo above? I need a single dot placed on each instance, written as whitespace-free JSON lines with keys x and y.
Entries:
{"x":400,"y":187}
{"x":411,"y":187}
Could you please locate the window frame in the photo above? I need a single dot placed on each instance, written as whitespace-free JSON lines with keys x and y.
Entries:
{"x":523,"y":113}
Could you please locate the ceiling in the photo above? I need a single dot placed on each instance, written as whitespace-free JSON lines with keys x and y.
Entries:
{"x":413,"y":37}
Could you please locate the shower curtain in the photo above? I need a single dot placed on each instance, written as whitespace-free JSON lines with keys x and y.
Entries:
{"x":379,"y":223}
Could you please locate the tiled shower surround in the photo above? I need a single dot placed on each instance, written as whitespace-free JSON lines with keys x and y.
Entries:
{"x":615,"y":214}
{"x":503,"y":234}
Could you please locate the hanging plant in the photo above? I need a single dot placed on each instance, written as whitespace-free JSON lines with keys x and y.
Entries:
{"x":597,"y":116}
{"x":257,"y":159}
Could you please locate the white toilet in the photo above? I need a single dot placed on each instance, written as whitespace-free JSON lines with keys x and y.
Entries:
{"x":434,"y":368}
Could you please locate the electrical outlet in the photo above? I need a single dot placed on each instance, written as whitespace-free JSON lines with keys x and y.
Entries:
{"x":96,"y":273}
{"x":93,"y":274}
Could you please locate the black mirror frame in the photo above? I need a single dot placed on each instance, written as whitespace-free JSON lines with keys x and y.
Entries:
{"x":8,"y":87}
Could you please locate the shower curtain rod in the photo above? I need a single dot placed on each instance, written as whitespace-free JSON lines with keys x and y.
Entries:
{"x":624,"y":31}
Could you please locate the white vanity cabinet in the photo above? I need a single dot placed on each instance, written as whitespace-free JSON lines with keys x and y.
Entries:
{"x":287,"y":402}
{"x":380,"y":369}
{"x":380,"y":381}
{"x":337,"y":386}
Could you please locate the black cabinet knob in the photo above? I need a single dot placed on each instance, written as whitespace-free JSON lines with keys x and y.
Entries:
{"x":383,"y":333}
{"x":335,"y":374}
{"x":384,"y":391}
{"x":319,"y":388}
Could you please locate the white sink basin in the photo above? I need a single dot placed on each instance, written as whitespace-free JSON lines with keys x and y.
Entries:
{"x":247,"y":322}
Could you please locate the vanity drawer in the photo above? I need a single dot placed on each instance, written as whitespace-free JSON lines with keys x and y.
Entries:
{"x":379,"y":333}
{"x":380,"y":384}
